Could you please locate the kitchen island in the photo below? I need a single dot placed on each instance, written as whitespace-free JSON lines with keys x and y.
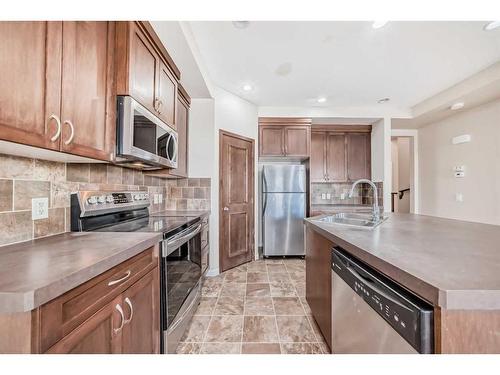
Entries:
{"x":453,"y":265}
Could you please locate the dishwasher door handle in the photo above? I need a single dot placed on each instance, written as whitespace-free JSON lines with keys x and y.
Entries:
{"x":375,"y":288}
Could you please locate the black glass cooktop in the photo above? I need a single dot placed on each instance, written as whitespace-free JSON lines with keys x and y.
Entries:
{"x":165,"y":224}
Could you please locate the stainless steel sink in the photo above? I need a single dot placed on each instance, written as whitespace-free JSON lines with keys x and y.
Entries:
{"x":352,"y":219}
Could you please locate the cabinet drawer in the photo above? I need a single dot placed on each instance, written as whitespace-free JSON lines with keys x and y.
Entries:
{"x":59,"y":317}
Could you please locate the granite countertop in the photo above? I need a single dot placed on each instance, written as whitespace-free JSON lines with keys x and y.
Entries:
{"x":450,"y":263}
{"x":35,"y":272}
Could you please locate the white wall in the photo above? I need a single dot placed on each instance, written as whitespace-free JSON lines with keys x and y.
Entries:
{"x":381,"y":158}
{"x":481,"y":157}
{"x":401,"y":172}
{"x":201,"y":138}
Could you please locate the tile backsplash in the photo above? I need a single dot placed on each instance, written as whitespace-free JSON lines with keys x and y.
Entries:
{"x":22,"y":179}
{"x":363,"y":193}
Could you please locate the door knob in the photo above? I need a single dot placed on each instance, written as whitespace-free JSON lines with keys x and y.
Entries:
{"x":226,"y":208}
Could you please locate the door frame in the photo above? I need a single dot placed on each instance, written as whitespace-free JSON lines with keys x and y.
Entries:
{"x":223,"y":133}
{"x":413,"y":135}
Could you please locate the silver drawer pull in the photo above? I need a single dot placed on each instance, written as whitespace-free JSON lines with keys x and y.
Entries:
{"x":127,"y":275}
{"x":129,"y":303}
{"x":120,"y":310}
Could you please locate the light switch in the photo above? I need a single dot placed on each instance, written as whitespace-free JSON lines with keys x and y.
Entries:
{"x":160,"y":198}
{"x":155,"y":198}
{"x":328,"y":195}
{"x":459,"y":197}
{"x":323,"y":196}
{"x":39,"y":208}
{"x":342,"y":195}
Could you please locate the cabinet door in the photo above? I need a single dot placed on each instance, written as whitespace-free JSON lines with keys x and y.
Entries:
{"x":318,"y":281}
{"x":87,"y":111}
{"x":336,"y":158}
{"x":297,"y":141}
{"x":318,"y":157}
{"x":100,"y":334}
{"x":166,"y":100}
{"x":358,"y":156}
{"x":141,"y":331}
{"x":144,"y":68}
{"x":271,"y":141}
{"x":30,"y":81}
{"x":182,"y":133}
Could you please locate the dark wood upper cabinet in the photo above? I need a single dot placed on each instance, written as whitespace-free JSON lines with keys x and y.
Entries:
{"x":87,"y":101}
{"x":271,"y":141}
{"x":30,"y":78}
{"x":336,"y":158}
{"x":318,"y":157}
{"x":358,"y":156}
{"x":167,"y":96}
{"x":143,"y":71}
{"x":297,"y":141}
{"x":141,"y":331}
{"x":284,"y":137}
{"x":57,"y":86}
{"x":340,"y":153}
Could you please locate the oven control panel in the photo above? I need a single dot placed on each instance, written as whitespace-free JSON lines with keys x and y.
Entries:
{"x":92,"y":203}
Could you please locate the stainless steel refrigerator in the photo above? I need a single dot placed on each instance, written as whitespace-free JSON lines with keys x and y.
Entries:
{"x":283,"y":209}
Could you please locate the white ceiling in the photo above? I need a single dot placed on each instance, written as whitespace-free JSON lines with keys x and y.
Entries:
{"x":349,"y":62}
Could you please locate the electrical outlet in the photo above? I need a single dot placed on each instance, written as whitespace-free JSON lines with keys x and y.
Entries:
{"x":342,"y":195}
{"x":459,"y":197}
{"x":323,"y":196}
{"x":155,"y":198}
{"x":328,"y":195}
{"x":39,"y":208}
{"x":160,"y":198}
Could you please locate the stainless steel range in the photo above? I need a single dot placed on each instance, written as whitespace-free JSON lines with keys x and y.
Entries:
{"x":182,"y":263}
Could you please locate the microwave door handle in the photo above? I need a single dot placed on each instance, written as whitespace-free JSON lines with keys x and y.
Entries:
{"x":176,"y":148}
{"x":167,"y":144}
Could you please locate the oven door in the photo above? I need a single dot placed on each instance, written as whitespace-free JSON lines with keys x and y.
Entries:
{"x":144,"y":138}
{"x":181,"y":274}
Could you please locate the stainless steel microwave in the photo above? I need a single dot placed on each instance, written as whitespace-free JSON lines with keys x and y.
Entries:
{"x":143,"y":140}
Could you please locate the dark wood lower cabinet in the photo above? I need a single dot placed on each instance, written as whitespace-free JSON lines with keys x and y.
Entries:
{"x":97,"y":335}
{"x":318,"y":281}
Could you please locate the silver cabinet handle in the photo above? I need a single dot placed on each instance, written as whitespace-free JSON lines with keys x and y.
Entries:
{"x":129,"y":303}
{"x":72,"y":128}
{"x":157,"y":105}
{"x":127,"y":275}
{"x":58,"y":131}
{"x":160,"y":104}
{"x":120,"y":310}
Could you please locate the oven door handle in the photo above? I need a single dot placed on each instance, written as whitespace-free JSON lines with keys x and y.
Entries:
{"x":175,"y":242}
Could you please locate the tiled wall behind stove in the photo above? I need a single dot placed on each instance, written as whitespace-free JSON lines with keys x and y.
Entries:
{"x":22,"y":179}
{"x":363,"y":194}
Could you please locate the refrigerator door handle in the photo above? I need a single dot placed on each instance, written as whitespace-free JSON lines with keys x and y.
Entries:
{"x":264,"y":206}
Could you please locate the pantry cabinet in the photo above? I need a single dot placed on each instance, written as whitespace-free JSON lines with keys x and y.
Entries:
{"x":340,"y":153}
{"x":284,"y":137}
{"x":143,"y":71}
{"x":57,"y":86}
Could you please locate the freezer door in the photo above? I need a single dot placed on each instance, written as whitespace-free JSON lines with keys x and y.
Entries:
{"x":284,"y":178}
{"x":283,"y":226}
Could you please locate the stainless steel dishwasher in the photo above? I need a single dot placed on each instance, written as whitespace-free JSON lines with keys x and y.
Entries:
{"x":372,"y":314}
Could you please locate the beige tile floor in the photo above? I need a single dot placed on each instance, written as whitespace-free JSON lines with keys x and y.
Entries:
{"x":259,"y":307}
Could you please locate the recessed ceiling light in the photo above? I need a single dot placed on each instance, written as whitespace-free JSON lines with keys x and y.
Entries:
{"x":383,"y":100}
{"x":321,"y":99}
{"x":457,"y":105}
{"x":247,"y":87}
{"x":241,"y":24}
{"x":491,"y":26}
{"x":379,"y":24}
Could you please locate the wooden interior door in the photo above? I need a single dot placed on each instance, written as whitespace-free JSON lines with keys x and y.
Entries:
{"x":358,"y":156}
{"x":318,"y":157}
{"x":297,"y":141}
{"x":30,"y":81}
{"x":141,"y":331}
{"x":236,"y":200}
{"x":167,"y":96}
{"x":96,"y":335}
{"x":88,"y":101}
{"x":271,"y":141}
{"x":336,"y":158}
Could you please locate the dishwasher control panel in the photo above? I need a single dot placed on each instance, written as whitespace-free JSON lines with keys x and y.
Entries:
{"x":410,"y":316}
